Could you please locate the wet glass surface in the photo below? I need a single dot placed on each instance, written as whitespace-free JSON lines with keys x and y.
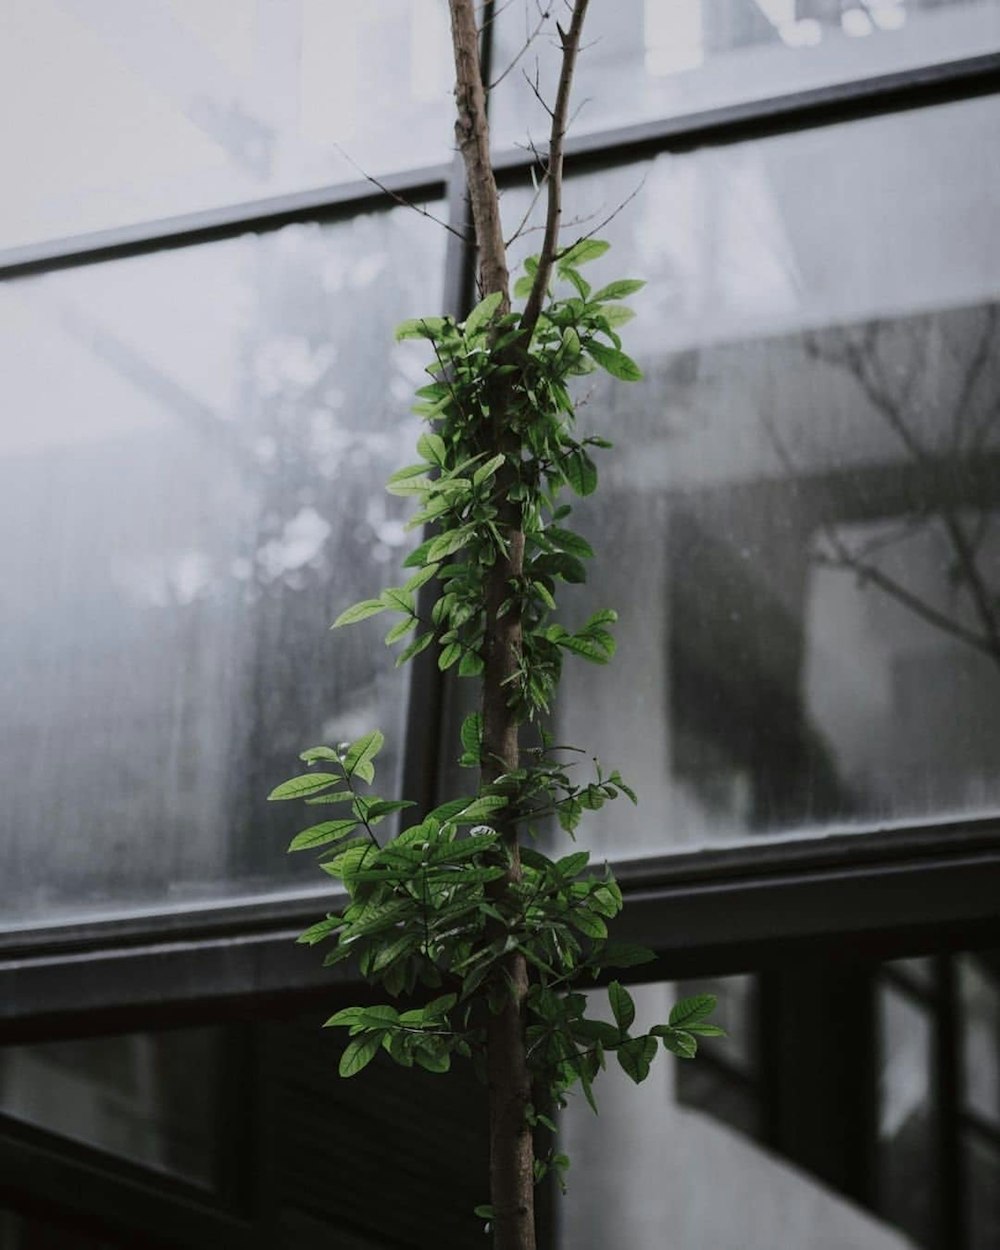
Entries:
{"x":646,"y":59}
{"x":192,"y":490}
{"x":800,"y":522}
{"x":131,"y":110}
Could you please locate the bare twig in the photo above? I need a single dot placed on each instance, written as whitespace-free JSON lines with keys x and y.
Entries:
{"x":400,"y":199}
{"x":844,"y":558}
{"x":570,"y":44}
{"x":545,"y":15}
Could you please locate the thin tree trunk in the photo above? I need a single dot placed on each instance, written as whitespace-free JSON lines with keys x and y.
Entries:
{"x":511,"y":1146}
{"x":511,"y":1143}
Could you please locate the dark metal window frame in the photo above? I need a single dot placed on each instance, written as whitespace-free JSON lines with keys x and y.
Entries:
{"x":908,"y":889}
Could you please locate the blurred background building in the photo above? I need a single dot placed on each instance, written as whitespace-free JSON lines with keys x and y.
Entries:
{"x":800,"y":529}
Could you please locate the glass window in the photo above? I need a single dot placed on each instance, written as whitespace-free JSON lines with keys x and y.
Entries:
{"x":136,"y":109}
{"x":907,"y":1116}
{"x":191,"y":490}
{"x":831,"y":1094}
{"x":800,"y":523}
{"x":646,"y":59}
{"x":660,"y":1158}
{"x":979,"y":993}
{"x":150,"y":1098}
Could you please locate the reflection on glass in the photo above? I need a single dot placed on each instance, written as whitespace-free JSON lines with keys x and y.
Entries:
{"x":663,"y":1168}
{"x":135,"y":109}
{"x":725,"y":1082}
{"x":645,"y":59}
{"x":148,"y":1097}
{"x":907,"y":1115}
{"x":800,"y":523}
{"x":190,"y":492}
{"x":979,"y":995}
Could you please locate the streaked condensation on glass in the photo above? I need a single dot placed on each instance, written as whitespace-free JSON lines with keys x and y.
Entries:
{"x":136,"y":109}
{"x":647,"y":59}
{"x":800,"y":522}
{"x":191,"y":488}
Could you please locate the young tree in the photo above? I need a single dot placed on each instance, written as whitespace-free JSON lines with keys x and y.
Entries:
{"x":458,"y":903}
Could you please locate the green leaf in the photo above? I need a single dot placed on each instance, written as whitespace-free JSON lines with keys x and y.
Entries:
{"x":434,"y":1060}
{"x":449,"y":655}
{"x":471,"y":665}
{"x":593,"y":926}
{"x":706,"y":1030}
{"x":420,"y":328}
{"x":375,"y":809}
{"x":572,"y":865}
{"x":580,"y":472}
{"x":358,"y":612}
{"x":692,"y":1010}
{"x":447,"y":543}
{"x":346,"y":1018}
{"x":308,"y":783}
{"x":582,"y":252}
{"x":323,"y":800}
{"x":358,"y":760}
{"x":415,"y":647}
{"x":359,"y":1053}
{"x":622,"y":289}
{"x":400,"y":630}
{"x":432,"y":448}
{"x":404,"y":474}
{"x":617,"y":314}
{"x":597,"y":1031}
{"x":615,"y":362}
{"x":320,"y":835}
{"x":522,"y":287}
{"x":487,"y":470}
{"x":566,"y":540}
{"x":418,"y":556}
{"x":677,"y":1041}
{"x":622,"y":1006}
{"x":624,"y":955}
{"x":320,"y":930}
{"x":479,"y":809}
{"x":396,"y":598}
{"x":421,"y":578}
{"x":636,"y":1055}
{"x":319,"y":753}
{"x":483,"y":312}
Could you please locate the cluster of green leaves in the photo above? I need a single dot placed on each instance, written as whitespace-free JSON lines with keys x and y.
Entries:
{"x":441,"y":906}
{"x":461,"y":481}
{"x":419,"y":913}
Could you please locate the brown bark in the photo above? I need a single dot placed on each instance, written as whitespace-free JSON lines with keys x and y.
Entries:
{"x":511,"y":1144}
{"x":557,"y":138}
{"x":473,"y":137}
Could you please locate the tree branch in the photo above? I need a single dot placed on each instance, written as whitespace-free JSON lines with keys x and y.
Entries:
{"x":473,"y":137}
{"x":570,"y":46}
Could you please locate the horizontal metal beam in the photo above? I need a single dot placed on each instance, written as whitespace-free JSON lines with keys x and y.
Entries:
{"x":208,"y":225}
{"x":718,"y":911}
{"x":914,"y":88}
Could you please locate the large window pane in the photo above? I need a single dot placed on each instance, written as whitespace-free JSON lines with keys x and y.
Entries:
{"x":150,"y":1098}
{"x":645,"y":59}
{"x":800,"y":523}
{"x":671,"y":1163}
{"x":135,"y":109}
{"x":190,"y":489}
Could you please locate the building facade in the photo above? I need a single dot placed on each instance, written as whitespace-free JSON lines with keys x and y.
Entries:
{"x":799,"y":526}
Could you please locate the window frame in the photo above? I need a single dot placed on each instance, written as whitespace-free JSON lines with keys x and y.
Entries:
{"x":914,"y":888}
